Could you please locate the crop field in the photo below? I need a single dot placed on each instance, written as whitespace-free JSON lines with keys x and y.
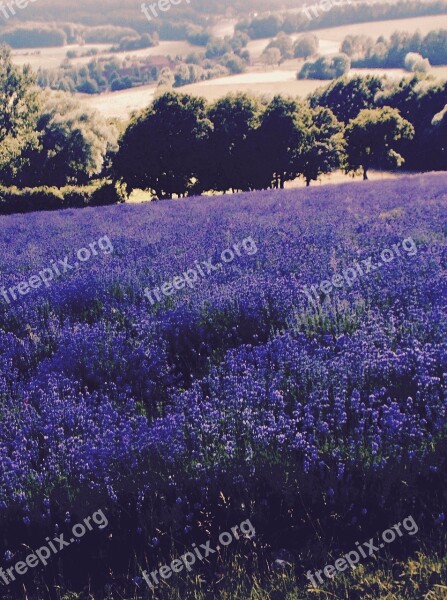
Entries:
{"x":51,"y":58}
{"x":297,"y":377}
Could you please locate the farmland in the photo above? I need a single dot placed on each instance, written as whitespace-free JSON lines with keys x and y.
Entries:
{"x":236,"y":397}
{"x":270,"y":80}
{"x":258,"y":79}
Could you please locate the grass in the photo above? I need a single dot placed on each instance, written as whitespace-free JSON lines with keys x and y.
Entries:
{"x":421,"y":577}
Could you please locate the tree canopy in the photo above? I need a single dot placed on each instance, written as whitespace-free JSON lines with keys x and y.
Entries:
{"x":19,"y":109}
{"x":374,"y":138}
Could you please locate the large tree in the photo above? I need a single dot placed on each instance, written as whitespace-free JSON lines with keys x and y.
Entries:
{"x":346,"y":97}
{"x":74,"y":142}
{"x":19,"y":108}
{"x":164,"y":146}
{"x":323,"y":150}
{"x":279,"y":140}
{"x":229,"y":161}
{"x":374,"y":139}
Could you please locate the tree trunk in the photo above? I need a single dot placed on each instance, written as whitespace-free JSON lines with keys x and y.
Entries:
{"x":307,"y":182}
{"x":365,"y":174}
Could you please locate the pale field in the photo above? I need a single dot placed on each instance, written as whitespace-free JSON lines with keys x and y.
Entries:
{"x":173,"y":49}
{"x":262,"y":83}
{"x":122,"y":104}
{"x":51,"y":58}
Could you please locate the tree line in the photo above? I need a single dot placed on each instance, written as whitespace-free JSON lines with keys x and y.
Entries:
{"x":384,"y":53}
{"x":181,"y":145}
{"x":270,"y":24}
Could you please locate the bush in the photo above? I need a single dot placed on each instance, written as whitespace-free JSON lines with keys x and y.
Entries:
{"x":415,"y":63}
{"x":306,"y":45}
{"x":106,"y":194}
{"x":326,"y":67}
{"x":27,"y":37}
{"x":15,"y":200}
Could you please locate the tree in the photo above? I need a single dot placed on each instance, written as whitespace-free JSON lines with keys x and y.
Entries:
{"x":306,"y":45}
{"x":326,"y":67}
{"x":271,"y":56}
{"x":415,"y":63}
{"x":374,"y":138}
{"x":437,"y":137}
{"x":347,"y":97}
{"x":19,"y":108}
{"x":163,"y":147}
{"x":434,"y":47}
{"x":279,"y":140}
{"x":284,"y":44}
{"x":73,"y":144}
{"x":229,"y":160}
{"x":324,"y":145}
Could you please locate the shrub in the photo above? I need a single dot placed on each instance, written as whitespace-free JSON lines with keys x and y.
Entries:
{"x":27,"y":37}
{"x":306,"y":45}
{"x":108,"y":193}
{"x":15,"y":200}
{"x":326,"y":67}
{"x":415,"y":63}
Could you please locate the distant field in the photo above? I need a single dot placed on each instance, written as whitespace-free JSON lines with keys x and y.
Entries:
{"x":385,"y":28}
{"x":269,"y":82}
{"x":259,"y":79}
{"x":120,"y":104}
{"x":51,"y":58}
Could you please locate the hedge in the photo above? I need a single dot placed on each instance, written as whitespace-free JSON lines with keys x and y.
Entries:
{"x":14,"y":200}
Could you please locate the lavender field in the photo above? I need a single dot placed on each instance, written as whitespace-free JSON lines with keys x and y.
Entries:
{"x":318,"y":415}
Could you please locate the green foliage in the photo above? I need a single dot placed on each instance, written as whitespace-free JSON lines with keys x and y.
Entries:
{"x":415,"y":63}
{"x":269,"y":25}
{"x":19,"y":106}
{"x":108,"y":193}
{"x":271,"y":56}
{"x":73,"y":144}
{"x":229,"y":163}
{"x":393,"y":53}
{"x":326,"y":67}
{"x":280,"y":138}
{"x":163,"y":147}
{"x":33,"y":36}
{"x":284,"y":44}
{"x":306,"y":45}
{"x":324,"y":146}
{"x":346,"y":97}
{"x":14,"y":200}
{"x":374,"y":138}
{"x":136,"y":42}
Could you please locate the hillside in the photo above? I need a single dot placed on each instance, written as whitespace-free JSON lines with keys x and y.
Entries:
{"x":276,"y":357}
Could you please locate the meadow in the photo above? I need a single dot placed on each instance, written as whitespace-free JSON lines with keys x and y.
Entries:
{"x":323,"y":421}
